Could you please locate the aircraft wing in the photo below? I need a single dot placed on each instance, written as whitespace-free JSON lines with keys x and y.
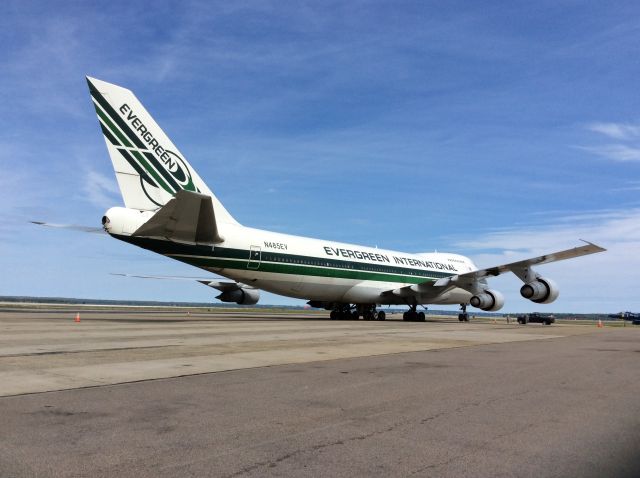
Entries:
{"x":519,"y":266}
{"x":471,"y":280}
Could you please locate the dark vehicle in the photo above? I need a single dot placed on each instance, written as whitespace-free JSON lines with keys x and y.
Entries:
{"x":634,"y":318}
{"x":536,"y":318}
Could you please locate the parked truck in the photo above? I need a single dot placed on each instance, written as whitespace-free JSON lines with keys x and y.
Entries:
{"x":536,"y":318}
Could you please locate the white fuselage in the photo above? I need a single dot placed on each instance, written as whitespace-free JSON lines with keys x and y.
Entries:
{"x":307,"y":268}
{"x":314,"y":269}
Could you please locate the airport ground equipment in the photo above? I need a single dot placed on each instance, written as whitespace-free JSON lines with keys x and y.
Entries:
{"x":536,"y":318}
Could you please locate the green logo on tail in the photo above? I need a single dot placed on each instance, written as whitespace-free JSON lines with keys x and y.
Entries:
{"x":158,"y":167}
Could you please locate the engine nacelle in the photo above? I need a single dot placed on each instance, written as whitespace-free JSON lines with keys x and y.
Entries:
{"x":122,"y":220}
{"x":489,"y":301}
{"x":240,"y":296}
{"x":540,"y":291}
{"x":321,"y":304}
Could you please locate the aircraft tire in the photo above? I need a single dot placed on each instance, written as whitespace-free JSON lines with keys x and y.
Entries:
{"x":333,"y":315}
{"x":382,"y":315}
{"x":410,"y":316}
{"x":421,"y":317}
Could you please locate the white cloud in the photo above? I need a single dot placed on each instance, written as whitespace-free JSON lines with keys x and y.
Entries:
{"x":616,"y":152}
{"x":101,"y":191}
{"x":616,"y":130}
{"x":628,"y":147}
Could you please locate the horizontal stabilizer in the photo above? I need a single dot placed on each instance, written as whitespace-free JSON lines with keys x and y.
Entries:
{"x":214,"y":282}
{"x":237,"y":292}
{"x":187,"y":218}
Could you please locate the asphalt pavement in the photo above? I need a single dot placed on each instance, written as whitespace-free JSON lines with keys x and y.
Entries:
{"x":558,"y":407}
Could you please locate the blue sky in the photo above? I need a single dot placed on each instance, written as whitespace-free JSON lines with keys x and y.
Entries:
{"x":472,"y":127}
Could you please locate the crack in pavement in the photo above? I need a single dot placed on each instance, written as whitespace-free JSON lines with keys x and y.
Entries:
{"x":274,"y":462}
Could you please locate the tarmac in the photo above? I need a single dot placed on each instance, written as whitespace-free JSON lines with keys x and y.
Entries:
{"x":140,"y":392}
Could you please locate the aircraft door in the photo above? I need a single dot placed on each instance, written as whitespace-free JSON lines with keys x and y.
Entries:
{"x":255,"y":255}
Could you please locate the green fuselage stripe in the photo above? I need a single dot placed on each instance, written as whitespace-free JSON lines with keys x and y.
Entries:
{"x":275,"y":262}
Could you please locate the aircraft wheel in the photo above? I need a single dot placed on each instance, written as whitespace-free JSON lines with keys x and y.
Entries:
{"x":355,"y":315}
{"x":333,"y":315}
{"x":410,"y":316}
{"x":382,"y":315}
{"x":421,"y":317}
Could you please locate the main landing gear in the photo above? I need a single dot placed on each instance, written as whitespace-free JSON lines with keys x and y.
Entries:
{"x":349,"y":312}
{"x":463,"y":316}
{"x":412,"y":315}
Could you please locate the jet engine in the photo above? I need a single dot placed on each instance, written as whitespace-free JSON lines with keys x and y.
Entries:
{"x":321,"y":304}
{"x":540,"y":291}
{"x":240,"y":296}
{"x":489,"y":301}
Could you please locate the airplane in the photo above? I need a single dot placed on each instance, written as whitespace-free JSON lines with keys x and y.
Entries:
{"x":632,"y":316}
{"x":170,"y":210}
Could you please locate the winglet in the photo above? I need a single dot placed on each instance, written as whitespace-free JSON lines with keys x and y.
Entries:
{"x":599,"y":249}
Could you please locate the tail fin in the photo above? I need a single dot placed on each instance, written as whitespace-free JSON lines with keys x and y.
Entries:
{"x":149,"y":168}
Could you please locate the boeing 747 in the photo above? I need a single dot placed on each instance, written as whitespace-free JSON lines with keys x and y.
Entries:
{"x":171,"y":211}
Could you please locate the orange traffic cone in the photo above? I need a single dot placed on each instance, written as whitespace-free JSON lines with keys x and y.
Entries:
{"x":77,"y":319}
{"x":600,"y":323}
